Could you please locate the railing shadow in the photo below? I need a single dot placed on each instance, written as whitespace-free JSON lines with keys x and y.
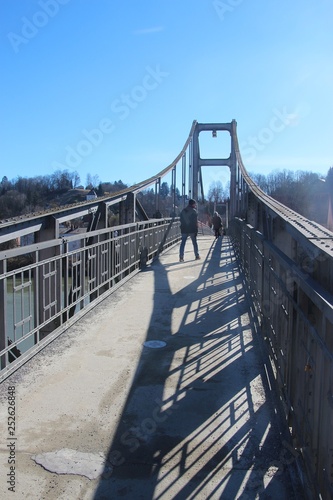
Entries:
{"x":199,"y":420}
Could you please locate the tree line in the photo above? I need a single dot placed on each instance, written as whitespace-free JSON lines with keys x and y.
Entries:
{"x":307,"y":193}
{"x":25,"y":195}
{"x":304,"y":192}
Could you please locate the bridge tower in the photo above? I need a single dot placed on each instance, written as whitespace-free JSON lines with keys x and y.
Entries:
{"x":195,"y":176}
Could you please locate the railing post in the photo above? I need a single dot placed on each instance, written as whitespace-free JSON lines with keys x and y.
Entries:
{"x":3,"y":298}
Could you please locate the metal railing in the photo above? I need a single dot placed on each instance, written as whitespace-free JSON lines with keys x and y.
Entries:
{"x":295,"y":314}
{"x":287,"y":264}
{"x":45,"y":287}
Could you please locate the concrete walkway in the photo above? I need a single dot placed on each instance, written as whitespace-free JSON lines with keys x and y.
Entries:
{"x":102,"y":414}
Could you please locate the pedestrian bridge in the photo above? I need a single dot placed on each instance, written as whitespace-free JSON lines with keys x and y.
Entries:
{"x":135,"y":375}
{"x":164,"y":390}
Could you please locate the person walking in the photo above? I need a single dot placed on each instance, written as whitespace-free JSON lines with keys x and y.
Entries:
{"x":189,"y":228}
{"x":217,"y":224}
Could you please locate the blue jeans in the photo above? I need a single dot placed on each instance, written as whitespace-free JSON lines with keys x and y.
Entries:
{"x":193,"y":237}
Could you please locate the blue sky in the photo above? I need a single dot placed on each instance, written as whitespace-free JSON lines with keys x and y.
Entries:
{"x":128,"y":78}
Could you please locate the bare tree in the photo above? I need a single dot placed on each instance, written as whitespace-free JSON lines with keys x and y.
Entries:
{"x":76,"y":180}
{"x":215,"y":192}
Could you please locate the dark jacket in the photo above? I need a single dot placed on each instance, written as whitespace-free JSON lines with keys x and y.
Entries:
{"x":217,"y":221}
{"x":189,"y":220}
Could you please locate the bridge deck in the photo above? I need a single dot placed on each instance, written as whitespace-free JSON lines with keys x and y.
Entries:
{"x":195,"y":418}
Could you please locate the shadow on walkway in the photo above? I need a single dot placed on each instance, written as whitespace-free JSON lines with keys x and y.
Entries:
{"x":201,"y":419}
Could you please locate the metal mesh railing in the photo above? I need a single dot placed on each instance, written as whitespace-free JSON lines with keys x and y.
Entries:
{"x":41,"y":296}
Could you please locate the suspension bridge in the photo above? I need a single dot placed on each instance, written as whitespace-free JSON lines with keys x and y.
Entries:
{"x":125,"y":373}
